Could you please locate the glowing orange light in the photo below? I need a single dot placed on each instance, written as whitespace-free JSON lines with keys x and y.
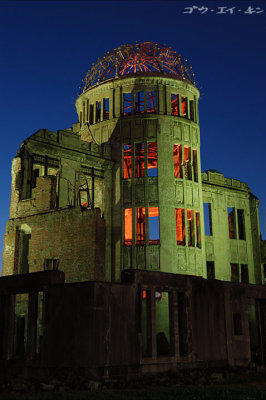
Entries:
{"x":140,"y":225}
{"x":177,"y":160}
{"x":128,"y":226}
{"x":152,"y":156}
{"x":139,"y":160}
{"x":180,"y":226}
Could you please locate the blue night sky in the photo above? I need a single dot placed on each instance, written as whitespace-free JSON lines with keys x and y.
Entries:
{"x":48,"y":46}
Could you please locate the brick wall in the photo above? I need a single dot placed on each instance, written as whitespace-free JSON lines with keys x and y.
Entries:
{"x":75,"y":237}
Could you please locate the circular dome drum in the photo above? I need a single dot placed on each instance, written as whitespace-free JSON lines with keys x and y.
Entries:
{"x":146,"y":58}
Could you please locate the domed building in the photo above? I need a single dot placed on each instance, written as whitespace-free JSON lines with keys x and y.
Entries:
{"x":116,"y":234}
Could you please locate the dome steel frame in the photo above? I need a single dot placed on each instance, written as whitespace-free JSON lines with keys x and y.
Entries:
{"x":146,"y":58}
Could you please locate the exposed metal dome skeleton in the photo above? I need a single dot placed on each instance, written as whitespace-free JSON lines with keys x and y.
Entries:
{"x":147,"y":58}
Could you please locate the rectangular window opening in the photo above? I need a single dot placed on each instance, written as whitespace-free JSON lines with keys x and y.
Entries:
{"x":244,"y":273}
{"x":127,"y":106}
{"x":195,"y":165}
{"x":180,"y":226}
{"x":178,"y":160}
{"x":128,"y":226}
{"x":237,"y":324}
{"x":139,"y":160}
{"x":91,"y":114}
{"x":231,"y":222}
{"x":191,"y":107}
{"x":241,"y":225}
{"x":174,"y":104}
{"x":36,"y":173}
{"x":152,"y":102}
{"x":198,"y":229}
{"x":127,"y":165}
{"x":187,"y":163}
{"x":154,"y":231}
{"x":84,"y":197}
{"x":210,"y":270}
{"x":152,"y":159}
{"x":184,"y":106}
{"x":21,"y":325}
{"x":106,"y":108}
{"x":162,"y":324}
{"x":190,"y":228}
{"x":234,"y":273}
{"x":139,"y":102}
{"x":51,"y":264}
{"x":207,"y":219}
{"x":98,"y":111}
{"x":140,"y":226}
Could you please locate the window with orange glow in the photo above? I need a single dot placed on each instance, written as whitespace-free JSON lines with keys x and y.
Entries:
{"x":127,"y":165}
{"x":198,"y":229}
{"x":174,"y":104}
{"x":128,"y":226}
{"x":152,"y":102}
{"x":105,"y":108}
{"x":139,"y":102}
{"x":140,"y":226}
{"x":144,"y":294}
{"x":190,"y":227}
{"x":184,"y":106}
{"x":177,"y":160}
{"x":152,"y":159}
{"x":180,"y":226}
{"x":195,"y":165}
{"x":154,"y":232}
{"x":139,"y":160}
{"x":127,"y":106}
{"x":187,"y":162}
{"x":231,"y":222}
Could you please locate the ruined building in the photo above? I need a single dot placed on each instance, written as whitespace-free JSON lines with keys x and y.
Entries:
{"x":121,"y":257}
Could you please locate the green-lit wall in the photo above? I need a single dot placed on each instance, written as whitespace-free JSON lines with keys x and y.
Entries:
{"x":164,"y":191}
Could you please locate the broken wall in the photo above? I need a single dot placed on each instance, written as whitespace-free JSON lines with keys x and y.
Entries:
{"x":233,"y":237}
{"x":71,"y":238}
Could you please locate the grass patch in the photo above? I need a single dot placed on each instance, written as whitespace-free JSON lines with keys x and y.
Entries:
{"x":247,"y":391}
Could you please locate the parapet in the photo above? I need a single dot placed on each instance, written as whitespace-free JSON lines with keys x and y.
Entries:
{"x":214,"y":177}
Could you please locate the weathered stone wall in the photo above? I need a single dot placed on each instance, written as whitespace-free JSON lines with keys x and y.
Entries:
{"x":91,"y":325}
{"x":223,"y":193}
{"x":99,"y":327}
{"x":75,"y":237}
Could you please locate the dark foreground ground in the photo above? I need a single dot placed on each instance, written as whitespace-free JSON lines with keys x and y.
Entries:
{"x":245,"y":385}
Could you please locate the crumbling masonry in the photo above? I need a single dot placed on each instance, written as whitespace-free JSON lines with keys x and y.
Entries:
{"x":120,"y":256}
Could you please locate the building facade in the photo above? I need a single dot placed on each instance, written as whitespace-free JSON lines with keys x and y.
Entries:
{"x":123,"y":190}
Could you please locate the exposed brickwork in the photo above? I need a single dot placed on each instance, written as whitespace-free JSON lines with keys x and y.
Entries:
{"x":43,"y":198}
{"x":10,"y":254}
{"x":73,"y":236}
{"x":16,"y":173}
